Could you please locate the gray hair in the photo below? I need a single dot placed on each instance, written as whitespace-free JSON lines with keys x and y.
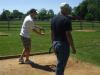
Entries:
{"x":65,"y":7}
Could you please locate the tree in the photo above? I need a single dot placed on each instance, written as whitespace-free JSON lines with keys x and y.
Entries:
{"x":93,"y":8}
{"x":50,"y":13}
{"x":89,"y":16}
{"x":5,"y":15}
{"x":17,"y":15}
{"x":88,"y":7}
{"x":81,"y":10}
{"x":42,"y":15}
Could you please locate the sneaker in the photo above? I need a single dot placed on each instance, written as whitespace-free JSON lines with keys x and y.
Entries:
{"x":28,"y":61}
{"x":21,"y":60}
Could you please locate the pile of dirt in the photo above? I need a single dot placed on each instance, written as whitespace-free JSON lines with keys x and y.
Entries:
{"x":3,"y":34}
{"x":86,"y":30}
{"x":45,"y":65}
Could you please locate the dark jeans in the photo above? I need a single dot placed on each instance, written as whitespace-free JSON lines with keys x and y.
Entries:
{"x":62,"y":52}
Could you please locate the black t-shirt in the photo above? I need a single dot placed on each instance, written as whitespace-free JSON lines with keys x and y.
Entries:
{"x":59,"y":25}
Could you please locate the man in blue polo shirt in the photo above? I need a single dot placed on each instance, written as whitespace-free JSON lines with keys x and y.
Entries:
{"x":61,"y":37}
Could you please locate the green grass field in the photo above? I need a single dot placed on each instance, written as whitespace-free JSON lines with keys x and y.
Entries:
{"x":87,"y":44}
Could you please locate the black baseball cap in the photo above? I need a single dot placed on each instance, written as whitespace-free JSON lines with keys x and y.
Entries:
{"x":33,"y":11}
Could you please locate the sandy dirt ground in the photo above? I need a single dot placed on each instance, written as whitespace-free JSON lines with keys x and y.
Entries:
{"x":45,"y":65}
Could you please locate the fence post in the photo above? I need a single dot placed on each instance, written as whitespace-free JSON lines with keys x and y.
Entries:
{"x":8,"y":25}
{"x":92,"y":24}
{"x":81,"y":25}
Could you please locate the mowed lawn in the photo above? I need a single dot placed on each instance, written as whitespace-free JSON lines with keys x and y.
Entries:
{"x":87,"y":43}
{"x":12,"y":45}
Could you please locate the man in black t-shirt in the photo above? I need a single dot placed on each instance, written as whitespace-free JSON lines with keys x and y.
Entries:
{"x":61,"y":28}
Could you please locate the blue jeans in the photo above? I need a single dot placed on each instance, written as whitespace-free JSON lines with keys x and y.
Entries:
{"x":62,"y":52}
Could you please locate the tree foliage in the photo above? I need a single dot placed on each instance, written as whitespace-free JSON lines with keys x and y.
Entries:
{"x":88,"y":9}
{"x":42,"y":15}
{"x":50,"y":13}
{"x":16,"y":14}
{"x":5,"y":15}
{"x":45,"y":14}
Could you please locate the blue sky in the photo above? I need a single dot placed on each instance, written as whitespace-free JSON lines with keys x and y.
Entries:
{"x":25,"y":5}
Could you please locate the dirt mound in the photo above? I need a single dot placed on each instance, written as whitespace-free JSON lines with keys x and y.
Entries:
{"x":86,"y":30}
{"x":45,"y":65}
{"x":3,"y":34}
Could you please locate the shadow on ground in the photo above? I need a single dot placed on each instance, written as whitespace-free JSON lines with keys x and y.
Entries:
{"x":49,"y":68}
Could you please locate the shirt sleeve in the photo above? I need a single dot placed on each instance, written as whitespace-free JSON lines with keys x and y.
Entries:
{"x":67,"y":25}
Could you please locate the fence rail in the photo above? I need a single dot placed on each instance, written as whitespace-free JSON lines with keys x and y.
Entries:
{"x":77,"y":25}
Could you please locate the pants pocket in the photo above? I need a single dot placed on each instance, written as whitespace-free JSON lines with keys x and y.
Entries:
{"x":57,"y":46}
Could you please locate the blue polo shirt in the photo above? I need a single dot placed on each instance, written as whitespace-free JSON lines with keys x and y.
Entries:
{"x":59,"y":25}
